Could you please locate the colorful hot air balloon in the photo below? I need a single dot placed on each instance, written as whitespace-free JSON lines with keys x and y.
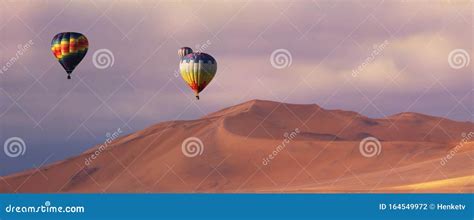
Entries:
{"x":69,"y":48}
{"x":183,"y":51}
{"x":198,"y":69}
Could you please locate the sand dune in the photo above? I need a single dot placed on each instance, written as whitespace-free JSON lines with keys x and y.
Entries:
{"x":317,"y":150}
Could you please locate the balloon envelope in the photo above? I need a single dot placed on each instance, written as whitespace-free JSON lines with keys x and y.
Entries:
{"x":69,"y":48}
{"x":197,"y":70}
{"x":183,"y":51}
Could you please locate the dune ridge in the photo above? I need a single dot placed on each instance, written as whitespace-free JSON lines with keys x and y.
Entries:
{"x":323,"y":157}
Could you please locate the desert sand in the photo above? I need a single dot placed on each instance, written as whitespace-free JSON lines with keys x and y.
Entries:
{"x":323,"y":156}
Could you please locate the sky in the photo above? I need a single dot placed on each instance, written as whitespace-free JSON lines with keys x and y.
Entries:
{"x":377,"y":58}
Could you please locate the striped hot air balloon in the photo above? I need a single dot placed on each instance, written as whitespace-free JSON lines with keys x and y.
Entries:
{"x":183,"y":51}
{"x":69,"y":48}
{"x":197,"y":70}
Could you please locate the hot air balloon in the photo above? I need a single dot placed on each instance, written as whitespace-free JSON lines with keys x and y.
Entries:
{"x":183,"y":51}
{"x":198,"y":69}
{"x":69,"y":48}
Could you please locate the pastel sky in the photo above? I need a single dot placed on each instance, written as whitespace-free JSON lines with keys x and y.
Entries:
{"x":330,"y":52}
